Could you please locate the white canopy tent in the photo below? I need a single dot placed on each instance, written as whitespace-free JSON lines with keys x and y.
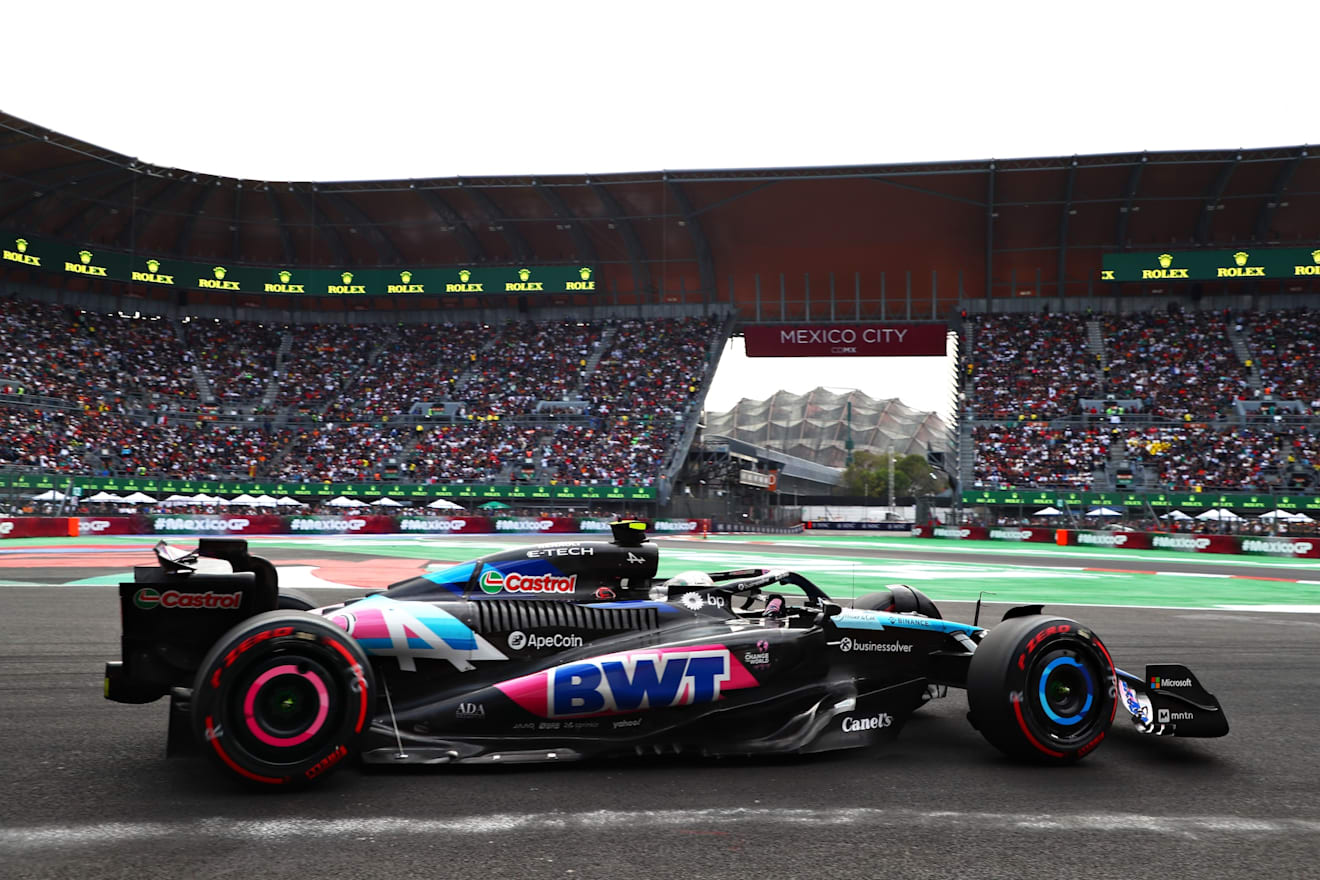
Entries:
{"x":387,"y":502}
{"x":1219,"y":514}
{"x":139,"y":498}
{"x":175,"y":500}
{"x":50,"y":495}
{"x":1175,"y":514}
{"x":104,"y":498}
{"x":1103,"y":511}
{"x":245,"y":498}
{"x":444,"y":504}
{"x":341,"y":501}
{"x":266,"y":501}
{"x":1048,"y":511}
{"x":286,"y":501}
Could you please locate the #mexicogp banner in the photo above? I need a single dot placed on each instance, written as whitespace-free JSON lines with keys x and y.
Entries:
{"x":51,"y":255}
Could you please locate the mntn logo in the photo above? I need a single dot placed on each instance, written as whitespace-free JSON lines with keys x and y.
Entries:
{"x":638,"y":681}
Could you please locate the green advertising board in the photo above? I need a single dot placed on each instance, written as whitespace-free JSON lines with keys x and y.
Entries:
{"x":1211,"y":265}
{"x":51,"y":255}
{"x":161,"y":486}
{"x":1246,"y":502}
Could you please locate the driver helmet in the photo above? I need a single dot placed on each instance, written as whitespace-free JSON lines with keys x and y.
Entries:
{"x":690,"y":579}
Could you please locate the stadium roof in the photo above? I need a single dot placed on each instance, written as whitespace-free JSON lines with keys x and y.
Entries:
{"x":984,"y":226}
{"x":816,"y":426}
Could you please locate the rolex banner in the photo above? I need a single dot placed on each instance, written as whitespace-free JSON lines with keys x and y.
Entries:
{"x":1208,"y":265}
{"x":63,"y":258}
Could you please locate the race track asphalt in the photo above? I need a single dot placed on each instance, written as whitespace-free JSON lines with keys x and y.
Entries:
{"x":87,"y":791}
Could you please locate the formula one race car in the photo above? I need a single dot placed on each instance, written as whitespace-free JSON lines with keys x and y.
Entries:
{"x":564,"y":650}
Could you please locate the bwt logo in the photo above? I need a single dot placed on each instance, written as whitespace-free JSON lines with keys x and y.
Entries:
{"x":637,"y":681}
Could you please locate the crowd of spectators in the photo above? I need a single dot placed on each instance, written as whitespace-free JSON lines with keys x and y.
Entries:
{"x":1031,"y":366}
{"x":1181,"y":365}
{"x":1238,"y":458}
{"x":1033,"y":454}
{"x":1286,"y":346}
{"x":115,"y":395}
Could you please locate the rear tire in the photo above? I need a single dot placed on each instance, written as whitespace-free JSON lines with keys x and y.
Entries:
{"x":295,"y":600}
{"x":282,"y":699}
{"x":1042,"y":688}
{"x":898,"y":599}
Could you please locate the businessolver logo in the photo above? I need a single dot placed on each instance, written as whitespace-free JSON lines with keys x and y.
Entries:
{"x":20,"y":255}
{"x":465,"y":284}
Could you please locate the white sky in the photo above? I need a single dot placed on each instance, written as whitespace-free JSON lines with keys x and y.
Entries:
{"x":297,"y":90}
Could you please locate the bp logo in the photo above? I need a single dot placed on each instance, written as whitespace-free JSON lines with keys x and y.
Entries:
{"x":1166,"y":260}
{"x":348,"y":277}
{"x":1240,"y":258}
{"x":146,"y":599}
{"x":85,"y":256}
{"x":220,"y":272}
{"x":492,"y":581}
{"x":464,"y":275}
{"x":285,"y":275}
{"x":21,"y":244}
{"x":524,"y":274}
{"x":152,"y":266}
{"x":585,"y":272}
{"x":405,"y":276}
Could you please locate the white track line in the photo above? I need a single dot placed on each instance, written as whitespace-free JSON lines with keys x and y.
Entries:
{"x":45,"y":837}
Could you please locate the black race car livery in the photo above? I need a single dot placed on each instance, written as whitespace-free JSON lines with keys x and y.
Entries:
{"x":564,"y":650}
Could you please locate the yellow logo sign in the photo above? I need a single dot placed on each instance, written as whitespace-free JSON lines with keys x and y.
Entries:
{"x":84,"y":265}
{"x":1240,"y":269}
{"x":405,"y":276}
{"x":1166,"y":270}
{"x":522,"y":284}
{"x":464,"y":285}
{"x":1309,"y":270}
{"x":220,"y":272}
{"x":20,"y":254}
{"x":218,"y":282}
{"x":347,"y":276}
{"x":524,"y":274}
{"x":585,"y":284}
{"x":284,"y":286}
{"x":150,"y":275}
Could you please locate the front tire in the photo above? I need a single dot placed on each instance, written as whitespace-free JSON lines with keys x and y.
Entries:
{"x":1042,"y":688}
{"x":282,"y":699}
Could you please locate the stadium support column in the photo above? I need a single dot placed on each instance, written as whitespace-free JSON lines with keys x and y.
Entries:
{"x":989,"y":235}
{"x":1061,"y":272}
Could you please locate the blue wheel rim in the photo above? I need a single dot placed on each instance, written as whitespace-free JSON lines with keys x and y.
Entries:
{"x":1068,"y":720}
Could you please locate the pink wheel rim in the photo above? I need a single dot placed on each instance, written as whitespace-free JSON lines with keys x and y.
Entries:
{"x":323,"y":709}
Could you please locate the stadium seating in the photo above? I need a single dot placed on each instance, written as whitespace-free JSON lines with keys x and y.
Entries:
{"x":85,"y":393}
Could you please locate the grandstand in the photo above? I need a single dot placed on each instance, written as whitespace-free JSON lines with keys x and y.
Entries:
{"x":1136,"y":322}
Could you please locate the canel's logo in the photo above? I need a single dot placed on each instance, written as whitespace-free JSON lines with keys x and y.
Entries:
{"x":875,"y":722}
